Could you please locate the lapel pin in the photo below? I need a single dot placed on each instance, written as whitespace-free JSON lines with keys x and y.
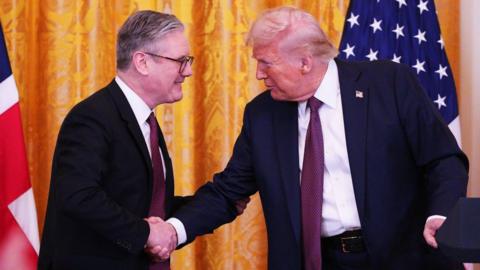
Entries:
{"x":358,"y":94}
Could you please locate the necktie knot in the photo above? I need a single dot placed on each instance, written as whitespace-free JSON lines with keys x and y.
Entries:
{"x":314,"y":104}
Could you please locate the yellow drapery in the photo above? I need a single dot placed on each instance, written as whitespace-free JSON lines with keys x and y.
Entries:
{"x":62,"y":51}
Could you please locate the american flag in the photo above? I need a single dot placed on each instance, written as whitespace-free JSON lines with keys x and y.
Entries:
{"x":407,"y":32}
{"x":19,"y":241}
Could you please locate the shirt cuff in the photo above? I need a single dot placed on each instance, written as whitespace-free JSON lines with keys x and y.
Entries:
{"x":436,"y":216}
{"x":180,"y":228}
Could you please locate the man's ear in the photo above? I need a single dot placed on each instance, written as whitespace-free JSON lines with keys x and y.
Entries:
{"x":307,"y":62}
{"x":139,"y":61}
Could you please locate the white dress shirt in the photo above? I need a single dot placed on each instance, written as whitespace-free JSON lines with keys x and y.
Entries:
{"x":142,"y":112}
{"x":339,"y":210}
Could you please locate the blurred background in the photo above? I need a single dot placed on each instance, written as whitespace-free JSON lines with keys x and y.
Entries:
{"x":62,"y":51}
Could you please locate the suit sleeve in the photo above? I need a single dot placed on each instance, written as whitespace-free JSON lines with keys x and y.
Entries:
{"x":214,"y":203}
{"x":179,"y":201}
{"x":80,"y":164}
{"x":434,"y":148}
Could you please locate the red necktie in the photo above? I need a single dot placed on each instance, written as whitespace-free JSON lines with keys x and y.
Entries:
{"x":157,"y":204}
{"x":312,"y":189}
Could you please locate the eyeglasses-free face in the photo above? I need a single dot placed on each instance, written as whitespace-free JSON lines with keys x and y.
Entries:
{"x":184,"y":60}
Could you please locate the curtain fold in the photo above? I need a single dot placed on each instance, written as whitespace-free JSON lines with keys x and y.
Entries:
{"x":63,"y":51}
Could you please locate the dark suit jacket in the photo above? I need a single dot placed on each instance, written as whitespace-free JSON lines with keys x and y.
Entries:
{"x":404,"y":161}
{"x":101,"y":188}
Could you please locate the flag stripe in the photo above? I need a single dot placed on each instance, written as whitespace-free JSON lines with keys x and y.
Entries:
{"x":16,"y":252}
{"x":26,"y":217}
{"x":455,"y":128}
{"x":8,"y":94}
{"x":5,"y":69}
{"x":14,"y":172}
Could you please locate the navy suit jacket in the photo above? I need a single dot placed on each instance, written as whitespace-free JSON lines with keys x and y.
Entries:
{"x":101,"y":188}
{"x":405,"y":166}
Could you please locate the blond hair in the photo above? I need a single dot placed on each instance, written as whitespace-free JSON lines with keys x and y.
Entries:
{"x":289,"y":23}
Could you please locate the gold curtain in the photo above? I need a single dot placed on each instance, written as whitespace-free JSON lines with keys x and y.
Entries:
{"x":62,"y":51}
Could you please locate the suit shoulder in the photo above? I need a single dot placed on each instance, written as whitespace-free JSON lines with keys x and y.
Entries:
{"x":260,"y":104}
{"x":377,"y":68}
{"x":98,"y":109}
{"x":97,"y":104}
{"x":262,"y":99}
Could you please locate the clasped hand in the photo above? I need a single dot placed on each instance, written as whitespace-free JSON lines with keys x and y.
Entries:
{"x":162,"y":239}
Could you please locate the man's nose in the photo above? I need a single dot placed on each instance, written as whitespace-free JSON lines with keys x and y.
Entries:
{"x":260,"y":74}
{"x":187,"y":71}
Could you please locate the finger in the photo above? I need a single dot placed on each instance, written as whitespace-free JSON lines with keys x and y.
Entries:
{"x":150,"y":220}
{"x":156,"y":249}
{"x":154,"y":219}
{"x":164,"y":253}
{"x":430,"y":238}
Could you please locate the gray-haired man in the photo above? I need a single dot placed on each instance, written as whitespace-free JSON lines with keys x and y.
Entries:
{"x":111,"y":168}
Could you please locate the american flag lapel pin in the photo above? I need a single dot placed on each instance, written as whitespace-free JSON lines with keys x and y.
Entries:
{"x":358,"y":94}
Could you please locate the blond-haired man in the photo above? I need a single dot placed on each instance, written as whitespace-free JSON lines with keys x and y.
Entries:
{"x":354,"y":167}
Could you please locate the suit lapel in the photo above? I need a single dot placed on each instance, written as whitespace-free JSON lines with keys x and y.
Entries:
{"x":286,"y":134}
{"x":132,"y":124}
{"x":129,"y":117}
{"x":354,"y":94}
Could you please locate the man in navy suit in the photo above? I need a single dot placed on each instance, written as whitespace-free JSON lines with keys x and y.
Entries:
{"x":355,"y":168}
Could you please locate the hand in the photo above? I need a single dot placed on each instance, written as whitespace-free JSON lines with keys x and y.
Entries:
{"x":158,"y":253}
{"x":431,"y":227}
{"x":241,"y":205}
{"x":162,"y":239}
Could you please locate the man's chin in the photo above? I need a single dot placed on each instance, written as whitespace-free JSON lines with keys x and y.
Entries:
{"x":175,"y":97}
{"x":282,"y":97}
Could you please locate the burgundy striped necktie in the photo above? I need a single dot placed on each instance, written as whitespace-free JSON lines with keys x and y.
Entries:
{"x":157,"y":204}
{"x":312,"y":189}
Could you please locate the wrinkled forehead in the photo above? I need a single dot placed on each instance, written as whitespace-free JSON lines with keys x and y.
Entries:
{"x":278,"y":47}
{"x":260,"y":51}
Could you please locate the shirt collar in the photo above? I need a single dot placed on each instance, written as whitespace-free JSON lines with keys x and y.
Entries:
{"x":329,"y":89}
{"x":139,"y":107}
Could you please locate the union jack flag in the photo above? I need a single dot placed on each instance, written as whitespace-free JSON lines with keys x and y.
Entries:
{"x":19,"y":243}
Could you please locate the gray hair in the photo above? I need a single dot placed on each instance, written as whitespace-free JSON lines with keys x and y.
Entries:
{"x":289,"y":23}
{"x":141,"y":30}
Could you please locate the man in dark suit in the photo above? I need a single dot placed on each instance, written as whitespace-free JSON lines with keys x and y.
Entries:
{"x":111,"y":169}
{"x":355,"y":168}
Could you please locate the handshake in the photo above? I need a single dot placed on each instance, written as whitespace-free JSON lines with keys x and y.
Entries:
{"x":162,"y":239}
